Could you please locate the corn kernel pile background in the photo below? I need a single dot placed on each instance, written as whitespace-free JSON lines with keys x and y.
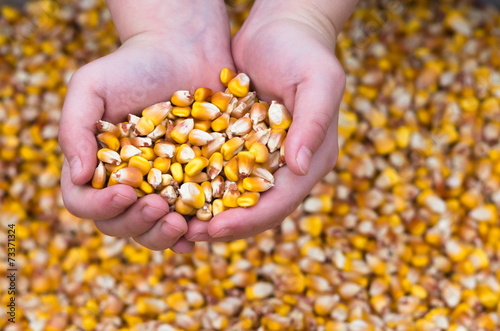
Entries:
{"x":402,"y":235}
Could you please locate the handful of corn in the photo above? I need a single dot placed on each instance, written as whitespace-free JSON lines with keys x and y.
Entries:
{"x":202,"y":151}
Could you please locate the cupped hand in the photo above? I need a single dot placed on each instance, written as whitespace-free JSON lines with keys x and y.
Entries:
{"x":146,"y":69}
{"x":289,"y":57}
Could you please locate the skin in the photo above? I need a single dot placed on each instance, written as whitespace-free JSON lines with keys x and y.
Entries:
{"x":287,"y":48}
{"x":150,"y":65}
{"x":160,"y":56}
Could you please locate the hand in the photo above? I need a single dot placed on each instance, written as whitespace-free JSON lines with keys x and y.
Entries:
{"x":290,"y":58}
{"x":147,"y":68}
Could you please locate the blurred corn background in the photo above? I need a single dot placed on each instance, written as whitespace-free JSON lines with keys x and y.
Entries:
{"x":402,"y":235}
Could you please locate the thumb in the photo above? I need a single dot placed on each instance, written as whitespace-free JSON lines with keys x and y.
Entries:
{"x":317,"y":101}
{"x":81,"y":110}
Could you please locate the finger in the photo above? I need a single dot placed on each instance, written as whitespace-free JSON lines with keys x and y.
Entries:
{"x":277,"y":203}
{"x":82,"y":108}
{"x":183,"y":246}
{"x":197,"y":230}
{"x":137,"y":219}
{"x":165,"y":233}
{"x":87,"y":202}
{"x":316,"y":105}
{"x":239,"y":223}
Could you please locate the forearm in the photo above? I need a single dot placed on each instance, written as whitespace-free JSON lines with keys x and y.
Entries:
{"x":328,"y":16}
{"x":164,"y":17}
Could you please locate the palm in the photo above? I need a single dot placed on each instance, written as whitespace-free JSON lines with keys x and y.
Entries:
{"x":137,"y":75}
{"x":288,"y":63}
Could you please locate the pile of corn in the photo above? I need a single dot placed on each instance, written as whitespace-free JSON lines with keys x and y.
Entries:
{"x":203,"y":151}
{"x":402,"y":235}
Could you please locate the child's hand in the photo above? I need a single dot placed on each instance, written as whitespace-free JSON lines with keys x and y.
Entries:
{"x":188,"y":50}
{"x":290,"y":57}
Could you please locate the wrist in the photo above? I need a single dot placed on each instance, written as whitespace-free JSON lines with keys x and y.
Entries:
{"x":167,"y":19}
{"x":326,"y":17}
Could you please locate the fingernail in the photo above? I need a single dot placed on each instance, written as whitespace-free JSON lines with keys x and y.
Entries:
{"x":304,"y":159}
{"x":152,"y":213}
{"x":120,"y":201}
{"x":222,"y":233}
{"x":170,"y":230}
{"x":75,"y":166}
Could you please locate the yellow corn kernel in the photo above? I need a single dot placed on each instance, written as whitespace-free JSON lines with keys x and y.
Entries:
{"x":261,"y":136}
{"x":215,"y":164}
{"x":232,"y":147}
{"x":231,"y":195}
{"x":192,"y":194}
{"x":110,"y":156}
{"x":205,"y":111}
{"x":239,"y":85}
{"x":221,"y":100}
{"x":256,"y":184}
{"x":384,"y":142}
{"x":487,"y":296}
{"x":162,"y":164}
{"x":141,"y":142}
{"x":177,"y":172}
{"x":242,"y":107}
{"x":202,"y":125}
{"x":207,"y":189}
{"x":124,"y":129}
{"x":273,"y":162}
{"x":109,"y":140}
{"x":241,"y":126}
{"x":226,"y":75}
{"x":419,"y":291}
{"x":195,"y":166}
{"x":112,"y":168}
{"x":258,"y":113}
{"x":103,"y":126}
{"x":99,"y":177}
{"x":248,"y":199}
{"x":240,"y":186}
{"x":154,"y":178}
{"x":180,"y":133}
{"x":276,"y":139}
{"x":170,"y":194}
{"x":213,"y":146}
{"x":246,"y":162}
{"x":183,"y":208}
{"x":146,"y":187}
{"x":196,"y":150}
{"x":479,"y":258}
{"x":159,"y":131}
{"x":312,"y":224}
{"x":218,"y":207}
{"x":456,"y":250}
{"x":157,"y":112}
{"x":199,"y":138}
{"x":164,"y":149}
{"x":279,"y":117}
{"x":260,"y":152}
{"x":184,"y":153}
{"x":202,"y":94}
{"x":231,"y":169}
{"x":148,"y":153}
{"x":141,"y":163}
{"x":182,"y":99}
{"x":221,"y":123}
{"x":130,"y":176}
{"x":181,"y":111}
{"x":144,"y":126}
{"x":204,"y":213}
{"x":127,"y":151}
